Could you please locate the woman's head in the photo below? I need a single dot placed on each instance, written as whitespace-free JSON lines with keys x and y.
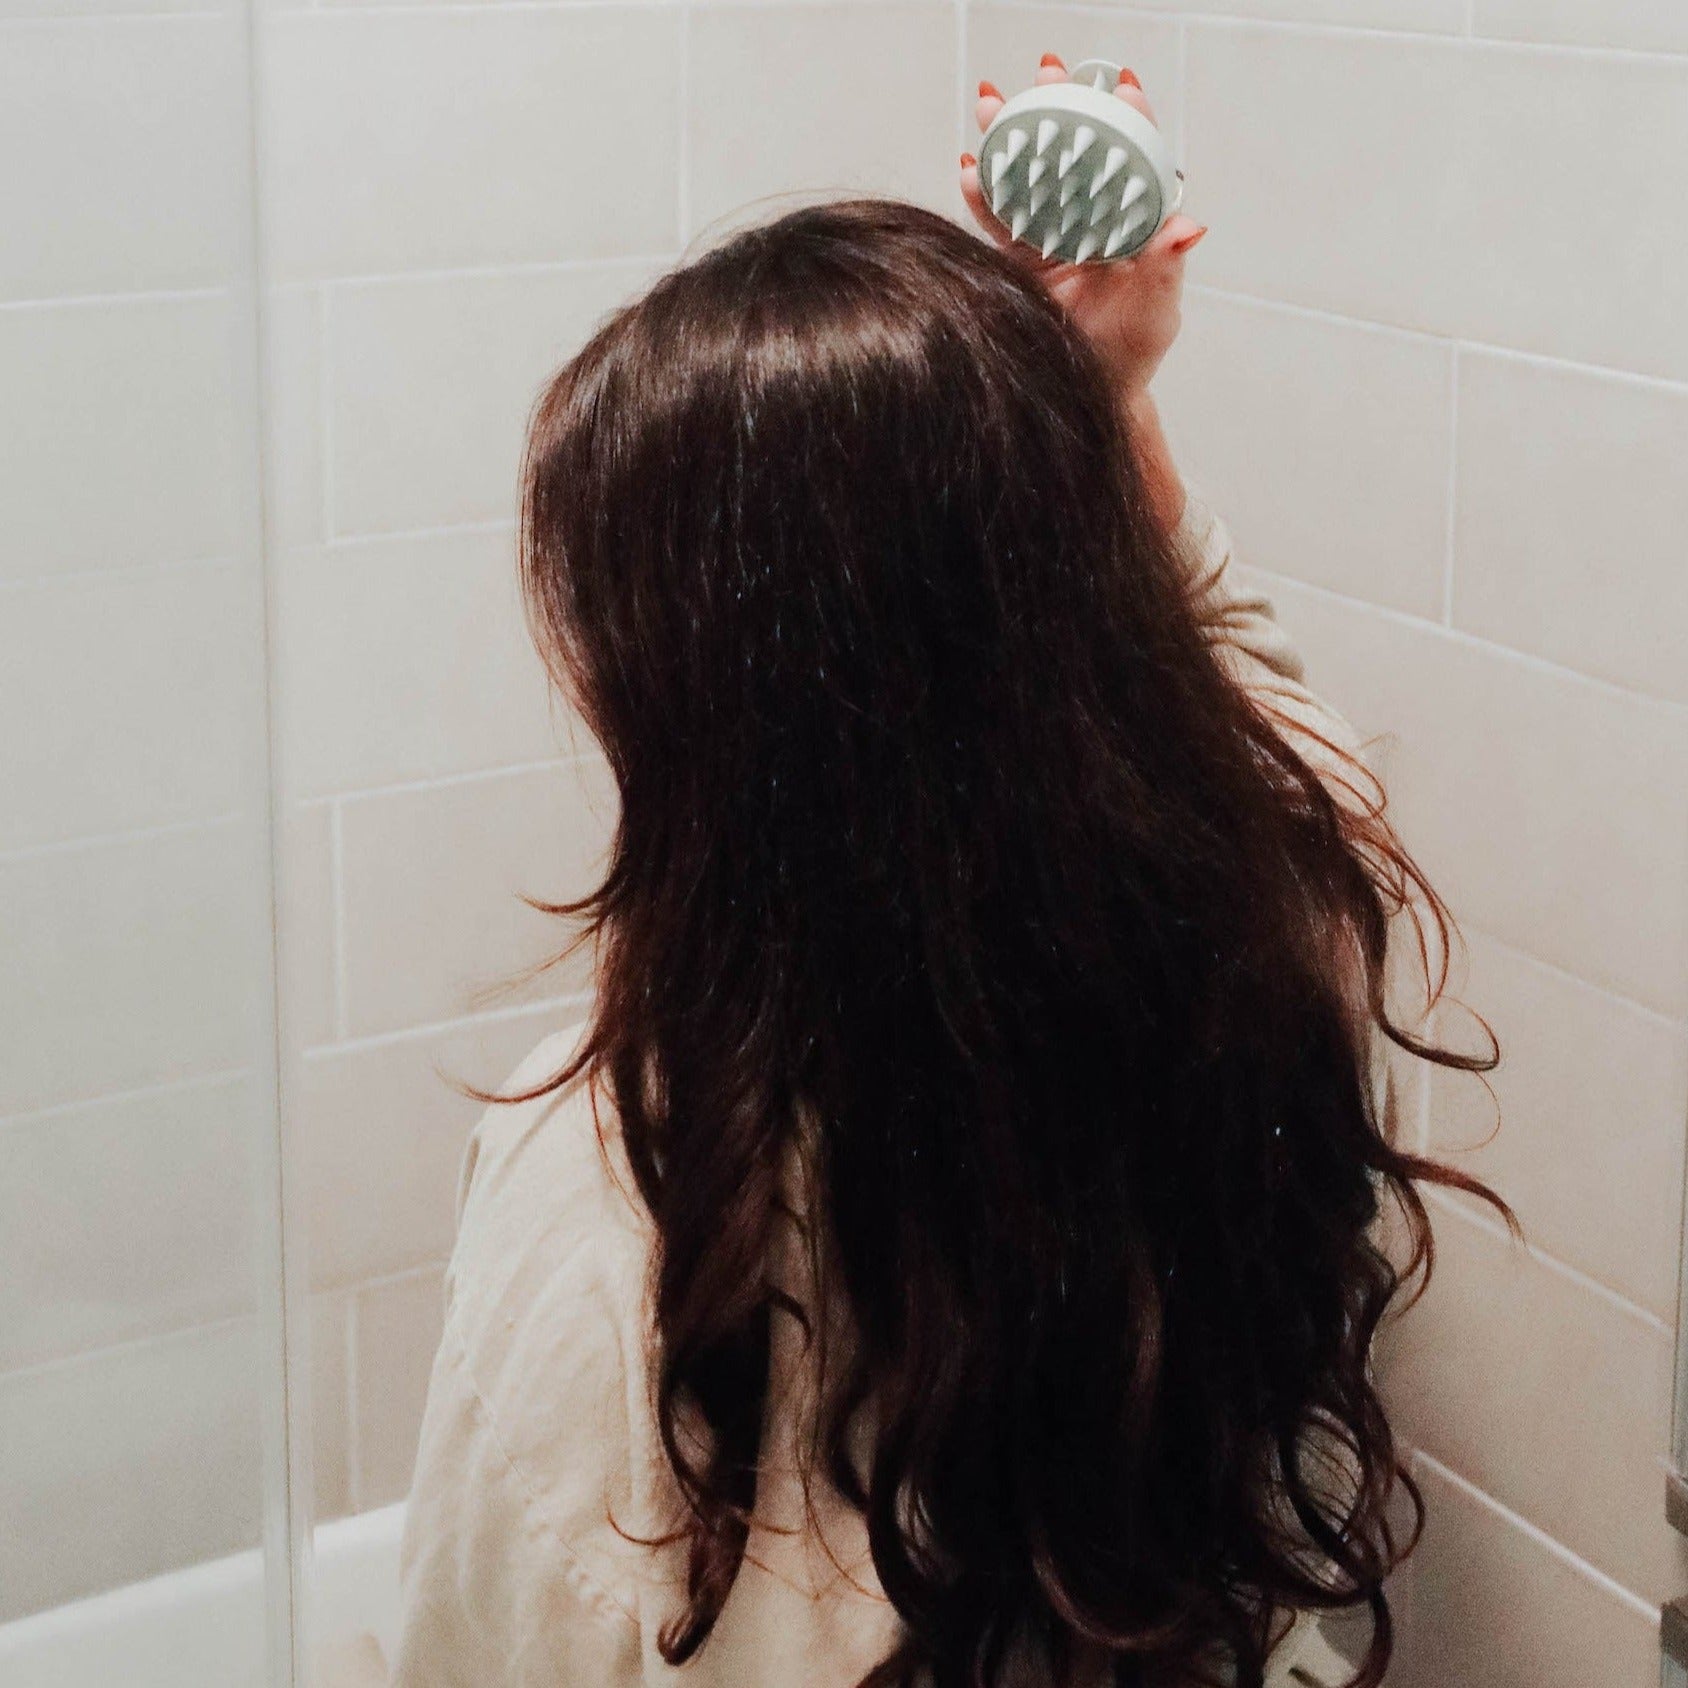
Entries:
{"x":943,"y":828}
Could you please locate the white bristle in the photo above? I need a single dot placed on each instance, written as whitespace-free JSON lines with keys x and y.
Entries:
{"x":1051,"y":241}
{"x":1083,"y":135}
{"x":1034,"y":170}
{"x":1115,"y":240}
{"x":1086,"y":247}
{"x":1017,"y":139}
{"x":1100,"y":80}
{"x":1070,"y":216}
{"x":1000,"y":196}
{"x":1021,"y":217}
{"x":1065,"y":163}
{"x":1099,"y":208}
{"x":999,"y":168}
{"x":1039,"y":198}
{"x":1134,"y":191}
{"x":1047,"y":130}
{"x":1111,"y":167}
{"x":1069,"y":187}
{"x":1134,"y":221}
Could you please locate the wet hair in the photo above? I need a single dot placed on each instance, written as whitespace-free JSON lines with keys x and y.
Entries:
{"x":951,"y":856}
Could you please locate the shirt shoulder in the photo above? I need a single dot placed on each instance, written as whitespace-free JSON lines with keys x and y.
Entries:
{"x":535,"y":1461}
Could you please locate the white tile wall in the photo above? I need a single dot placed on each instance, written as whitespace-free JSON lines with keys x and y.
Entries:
{"x":1571,"y":516}
{"x":408,"y":658}
{"x":431,"y":381}
{"x":1549,"y":810}
{"x":431,"y":883}
{"x":1588,"y":1099}
{"x":752,"y":127}
{"x":143,"y":676}
{"x":141,"y":938}
{"x":460,"y":137}
{"x":128,"y":186}
{"x":124,"y":452}
{"x":1644,"y":25}
{"x":1328,"y":444}
{"x":125,"y":1218}
{"x":1427,"y":183}
{"x":1492,"y":1375}
{"x":1506,"y":1607}
{"x":127,"y":1462}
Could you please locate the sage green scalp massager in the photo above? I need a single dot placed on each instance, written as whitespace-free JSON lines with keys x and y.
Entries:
{"x":1074,"y":171}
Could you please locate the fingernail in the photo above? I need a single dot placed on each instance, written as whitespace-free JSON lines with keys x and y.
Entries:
{"x":989,"y":91}
{"x":1190,"y":240}
{"x":1128,"y":79}
{"x":1049,"y":59}
{"x":968,"y":161}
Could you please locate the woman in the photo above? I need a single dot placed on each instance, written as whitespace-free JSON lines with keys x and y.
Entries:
{"x":949,"y":1252}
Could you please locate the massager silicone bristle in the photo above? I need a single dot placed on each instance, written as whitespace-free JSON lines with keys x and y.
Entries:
{"x":1071,"y":169}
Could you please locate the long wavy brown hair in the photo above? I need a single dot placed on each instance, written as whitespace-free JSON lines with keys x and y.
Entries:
{"x":944,"y":828}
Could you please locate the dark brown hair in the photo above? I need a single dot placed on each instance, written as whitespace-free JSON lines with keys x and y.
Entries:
{"x":943,"y":826}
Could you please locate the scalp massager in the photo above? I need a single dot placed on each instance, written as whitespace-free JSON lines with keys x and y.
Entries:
{"x":1074,"y":171}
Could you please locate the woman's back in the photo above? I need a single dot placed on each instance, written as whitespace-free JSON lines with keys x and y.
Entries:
{"x":541,"y":1453}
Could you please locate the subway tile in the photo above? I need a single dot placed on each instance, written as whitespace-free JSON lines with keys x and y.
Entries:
{"x":1547,"y":809}
{"x":295,"y":488}
{"x":128,"y":963}
{"x":1494,"y":1374}
{"x":1659,"y":26}
{"x":1570,"y":514}
{"x":380,"y":1134}
{"x":432,"y":382}
{"x":752,"y":119}
{"x":126,"y":450}
{"x":1005,"y":43}
{"x":422,"y":139}
{"x":1408,"y":185}
{"x":40,"y":9}
{"x":138,"y":690}
{"x":306,"y":940}
{"x":127,"y":1463}
{"x":1588,"y":1083}
{"x":1435,"y":16}
{"x":408,"y":658}
{"x":398,"y":1330}
{"x":122,"y":139}
{"x":127,"y":1218}
{"x":1495,"y":1606}
{"x":330,"y":1318}
{"x":432,"y":883}
{"x":1327,"y":444}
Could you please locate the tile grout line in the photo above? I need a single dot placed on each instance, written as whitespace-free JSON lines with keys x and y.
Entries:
{"x":134,"y":296}
{"x":1485,"y":348}
{"x":325,"y":412}
{"x":337,"y":905}
{"x":114,"y":575}
{"x":130,"y":1344}
{"x":1559,"y":971}
{"x":23,"y":1117}
{"x":1444,"y":1200}
{"x":1536,"y":1533}
{"x":125,"y":835}
{"x":1452,"y":494}
{"x":439,"y":1028}
{"x":446,"y":782}
{"x":1509,"y":653}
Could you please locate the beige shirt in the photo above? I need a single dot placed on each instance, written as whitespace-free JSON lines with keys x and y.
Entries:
{"x":538,"y":1427}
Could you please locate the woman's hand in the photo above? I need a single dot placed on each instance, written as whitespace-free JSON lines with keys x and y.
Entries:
{"x":1129,"y":308}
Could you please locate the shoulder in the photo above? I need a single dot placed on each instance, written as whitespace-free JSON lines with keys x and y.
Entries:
{"x":535,"y":1416}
